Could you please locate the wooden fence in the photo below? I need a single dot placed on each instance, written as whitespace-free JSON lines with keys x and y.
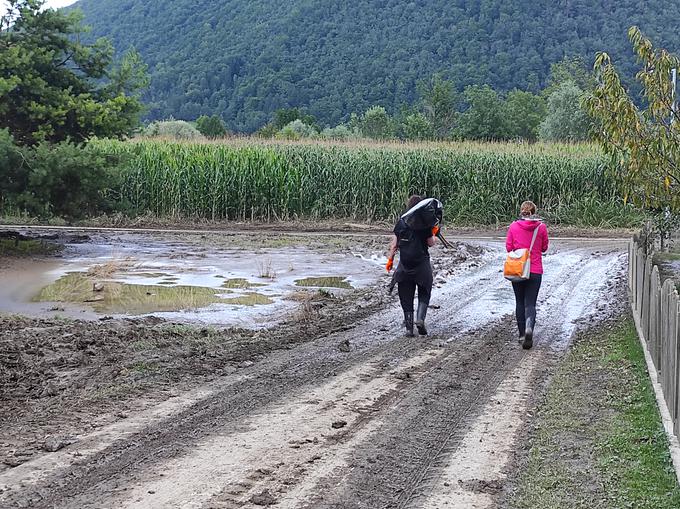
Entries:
{"x":656,"y":310}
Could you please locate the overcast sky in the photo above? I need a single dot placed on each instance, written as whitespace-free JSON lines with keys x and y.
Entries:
{"x":58,"y":3}
{"x":50,"y":3}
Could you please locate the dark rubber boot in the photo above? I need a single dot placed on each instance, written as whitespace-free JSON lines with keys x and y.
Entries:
{"x":408,"y":323}
{"x":420,"y":322}
{"x":528,"y":335}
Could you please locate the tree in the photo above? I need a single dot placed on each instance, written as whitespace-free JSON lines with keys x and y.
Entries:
{"x":525,"y":112}
{"x":284,"y":116}
{"x":376,"y":123}
{"x":415,"y":126}
{"x":439,"y":104}
{"x":643,"y":144}
{"x":566,"y":119}
{"x":485,"y":117}
{"x":573,"y":69}
{"x":211,"y":127}
{"x":54,"y":87}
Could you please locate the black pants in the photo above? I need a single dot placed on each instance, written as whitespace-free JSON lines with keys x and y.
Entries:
{"x":526,"y":293}
{"x":407,"y":291}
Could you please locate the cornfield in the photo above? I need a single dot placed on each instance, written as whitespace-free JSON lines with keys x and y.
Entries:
{"x":478,"y":184}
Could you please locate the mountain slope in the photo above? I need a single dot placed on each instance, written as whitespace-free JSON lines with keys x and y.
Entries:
{"x":243,"y":59}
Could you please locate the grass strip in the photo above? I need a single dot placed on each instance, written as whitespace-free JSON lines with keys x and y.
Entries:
{"x":598,"y":440}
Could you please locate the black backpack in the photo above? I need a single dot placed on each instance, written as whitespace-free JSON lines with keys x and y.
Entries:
{"x":412,"y":244}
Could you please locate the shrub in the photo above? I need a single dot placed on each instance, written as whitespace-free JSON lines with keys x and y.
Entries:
{"x":176,"y":129}
{"x":211,"y":127}
{"x":296,"y":130}
{"x":12,"y":171}
{"x":64,"y":179}
{"x":340,"y":132}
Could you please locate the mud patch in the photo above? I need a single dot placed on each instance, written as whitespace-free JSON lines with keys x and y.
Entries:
{"x":249,"y":299}
{"x":325,"y":282}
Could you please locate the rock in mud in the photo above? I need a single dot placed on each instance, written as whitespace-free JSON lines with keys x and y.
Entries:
{"x":54,"y":444}
{"x":246,"y":364}
{"x":344,"y":346}
{"x":339,"y":424}
{"x":13,"y":461}
{"x":49,"y":390}
{"x":263,"y":499}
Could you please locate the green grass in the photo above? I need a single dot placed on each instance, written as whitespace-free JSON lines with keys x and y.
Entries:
{"x":599,"y":442}
{"x":118,"y":297}
{"x":9,"y":247}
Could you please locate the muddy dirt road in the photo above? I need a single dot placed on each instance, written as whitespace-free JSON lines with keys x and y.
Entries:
{"x":388,"y":422}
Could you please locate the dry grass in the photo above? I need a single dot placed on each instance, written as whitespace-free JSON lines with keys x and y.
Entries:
{"x":265,"y":270}
{"x":111,"y":268}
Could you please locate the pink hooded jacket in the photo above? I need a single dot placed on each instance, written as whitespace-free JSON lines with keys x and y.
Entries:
{"x":519,"y":236}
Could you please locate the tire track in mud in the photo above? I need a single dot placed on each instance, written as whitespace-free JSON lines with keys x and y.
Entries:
{"x":450,"y":392}
{"x":271,"y":380}
{"x":425,"y":428}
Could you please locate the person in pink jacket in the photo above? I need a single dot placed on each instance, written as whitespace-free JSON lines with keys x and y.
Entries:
{"x":519,"y":236}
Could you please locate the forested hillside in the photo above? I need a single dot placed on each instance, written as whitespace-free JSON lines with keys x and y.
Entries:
{"x":243,"y":59}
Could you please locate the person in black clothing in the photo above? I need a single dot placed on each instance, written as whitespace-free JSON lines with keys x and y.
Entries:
{"x":414,"y":269}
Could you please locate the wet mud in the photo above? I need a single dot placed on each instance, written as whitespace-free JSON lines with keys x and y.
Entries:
{"x":332,"y":407}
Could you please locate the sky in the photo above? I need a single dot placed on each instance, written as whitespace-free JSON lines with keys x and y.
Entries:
{"x":58,"y":3}
{"x":55,"y":4}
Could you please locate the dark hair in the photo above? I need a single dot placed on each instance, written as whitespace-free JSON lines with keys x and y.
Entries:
{"x":413,"y":200}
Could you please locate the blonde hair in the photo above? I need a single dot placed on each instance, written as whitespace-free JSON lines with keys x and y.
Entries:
{"x":528,"y":208}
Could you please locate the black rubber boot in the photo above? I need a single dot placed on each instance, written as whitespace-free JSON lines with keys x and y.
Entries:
{"x":408,"y":323}
{"x":528,"y":335}
{"x":420,"y":322}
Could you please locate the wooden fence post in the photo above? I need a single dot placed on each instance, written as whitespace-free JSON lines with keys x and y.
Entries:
{"x":657,"y":310}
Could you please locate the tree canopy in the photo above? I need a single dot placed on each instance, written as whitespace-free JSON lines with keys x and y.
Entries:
{"x":54,"y":87}
{"x":244,"y":59}
{"x":643,"y":142}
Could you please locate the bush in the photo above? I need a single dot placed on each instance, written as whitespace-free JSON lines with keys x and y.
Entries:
{"x":376,"y":124}
{"x":340,"y":132}
{"x":12,"y":171}
{"x":296,"y":130}
{"x":415,"y":126}
{"x":63,"y":179}
{"x":211,"y":127}
{"x":176,"y":129}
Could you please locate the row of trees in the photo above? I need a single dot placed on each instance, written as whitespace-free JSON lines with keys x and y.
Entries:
{"x":476,"y":113}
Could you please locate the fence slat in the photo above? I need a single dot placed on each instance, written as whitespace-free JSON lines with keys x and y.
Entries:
{"x":656,"y":305}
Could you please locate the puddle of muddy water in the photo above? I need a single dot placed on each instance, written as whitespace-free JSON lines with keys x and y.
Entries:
{"x":187,"y":279}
